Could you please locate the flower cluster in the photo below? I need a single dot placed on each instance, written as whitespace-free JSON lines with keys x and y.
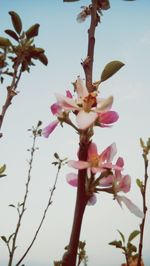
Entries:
{"x":88,"y":109}
{"x":104,"y":176}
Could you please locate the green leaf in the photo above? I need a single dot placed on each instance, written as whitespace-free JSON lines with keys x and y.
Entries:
{"x":12,"y":205}
{"x":139,"y":183}
{"x":110,"y":69}
{"x":4,"y":238}
{"x":4,"y":42}
{"x":131,"y":247}
{"x":117,"y":244}
{"x":122,"y":236}
{"x":2,"y":168}
{"x":133,"y":235}
{"x":32,"y":31}
{"x":142,"y":143}
{"x":12,"y":34}
{"x":16,"y":21}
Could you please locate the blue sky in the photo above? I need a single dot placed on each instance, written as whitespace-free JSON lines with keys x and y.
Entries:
{"x":124,"y":35}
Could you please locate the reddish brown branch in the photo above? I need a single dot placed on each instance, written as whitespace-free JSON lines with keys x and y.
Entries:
{"x":142,"y":225}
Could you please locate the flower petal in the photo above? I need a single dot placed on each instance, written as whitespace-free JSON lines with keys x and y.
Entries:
{"x":69,"y":94}
{"x":67,"y":103}
{"x":50,"y":128}
{"x":109,"y":153}
{"x":108,"y":117}
{"x":78,"y":164}
{"x":56,"y":108}
{"x":106,"y":181}
{"x":104,"y":105}
{"x":92,"y":150}
{"x":92,"y":200}
{"x":81,"y":89}
{"x":130,"y":205}
{"x":72,"y":179}
{"x":85,"y":119}
{"x":125,"y":184}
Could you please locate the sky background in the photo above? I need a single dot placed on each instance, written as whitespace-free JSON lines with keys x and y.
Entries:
{"x":124,"y":35}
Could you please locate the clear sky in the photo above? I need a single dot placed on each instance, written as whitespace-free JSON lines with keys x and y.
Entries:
{"x":124,"y":35}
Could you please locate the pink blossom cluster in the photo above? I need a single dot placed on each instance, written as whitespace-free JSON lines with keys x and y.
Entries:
{"x":105,"y":176}
{"x":88,"y":108}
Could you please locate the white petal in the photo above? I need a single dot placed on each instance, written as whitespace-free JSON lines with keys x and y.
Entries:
{"x":66,"y":102}
{"x":104,"y":105}
{"x":81,"y":89}
{"x":85,"y":119}
{"x":130,"y":205}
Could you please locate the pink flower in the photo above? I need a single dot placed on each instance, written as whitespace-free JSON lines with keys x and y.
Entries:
{"x":118,"y":182}
{"x":97,"y":162}
{"x":72,"y":180}
{"x":56,"y":110}
{"x":88,"y":106}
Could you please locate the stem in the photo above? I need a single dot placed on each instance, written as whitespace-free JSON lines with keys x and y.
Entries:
{"x":21,"y":213}
{"x":69,"y":258}
{"x":142,"y":225}
{"x":43,"y":218}
{"x":11,"y":92}
{"x":88,"y":63}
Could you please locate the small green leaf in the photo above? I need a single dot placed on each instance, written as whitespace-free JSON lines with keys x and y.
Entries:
{"x":16,"y":21}
{"x":122,"y":236}
{"x":4,"y":42}
{"x":133,"y":235}
{"x":117,"y":244}
{"x":142,"y":143}
{"x":139,"y":183}
{"x":12,"y":34}
{"x":56,"y":155}
{"x":131,"y":247}
{"x":110,"y":69}
{"x":4,"y":238}
{"x":12,"y":205}
{"x":2,"y":169}
{"x":32,"y":31}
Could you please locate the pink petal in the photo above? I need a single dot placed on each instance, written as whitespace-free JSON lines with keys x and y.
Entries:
{"x":106,"y":181}
{"x":78,"y":164}
{"x":69,"y":94}
{"x":92,"y":200}
{"x":72,"y":179}
{"x":108,"y":117}
{"x":109,"y":153}
{"x":67,"y":103}
{"x":92,"y":150}
{"x":81,"y":89}
{"x":104,"y":105}
{"x":85,"y":119}
{"x":119,"y":163}
{"x":130,"y":205}
{"x":125,"y":184}
{"x":56,"y":108}
{"x":50,"y":128}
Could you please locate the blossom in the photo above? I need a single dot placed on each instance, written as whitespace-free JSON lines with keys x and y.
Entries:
{"x":118,"y":182}
{"x":88,"y":107}
{"x":97,"y":162}
{"x":58,"y":111}
{"x":72,"y":180}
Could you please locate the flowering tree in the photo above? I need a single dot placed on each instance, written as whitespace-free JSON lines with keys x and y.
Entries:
{"x":83,"y":109}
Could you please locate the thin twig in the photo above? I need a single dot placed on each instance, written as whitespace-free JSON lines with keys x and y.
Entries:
{"x":11,"y":92}
{"x":142,"y":225}
{"x":43,"y":217}
{"x":23,"y":205}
